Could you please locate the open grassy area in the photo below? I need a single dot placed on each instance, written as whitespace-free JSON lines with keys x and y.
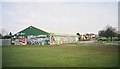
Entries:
{"x":60,"y":56}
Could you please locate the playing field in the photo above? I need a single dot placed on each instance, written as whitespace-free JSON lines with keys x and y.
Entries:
{"x":60,"y":56}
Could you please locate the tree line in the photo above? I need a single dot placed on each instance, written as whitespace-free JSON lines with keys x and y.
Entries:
{"x":109,"y":32}
{"x":9,"y":36}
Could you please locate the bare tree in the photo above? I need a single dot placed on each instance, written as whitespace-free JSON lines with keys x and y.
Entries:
{"x":4,"y":32}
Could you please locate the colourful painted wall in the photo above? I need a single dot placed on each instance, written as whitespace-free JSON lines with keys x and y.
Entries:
{"x":35,"y":36}
{"x":62,"y":39}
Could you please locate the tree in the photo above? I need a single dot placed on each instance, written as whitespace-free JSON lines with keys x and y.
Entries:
{"x":101,"y":33}
{"x":118,"y":35}
{"x":8,"y":36}
{"x":79,"y":37}
{"x":109,"y":32}
{"x":4,"y":32}
{"x":78,"y":33}
{"x":1,"y":36}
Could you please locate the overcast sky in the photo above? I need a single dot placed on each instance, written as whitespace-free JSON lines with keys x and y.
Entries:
{"x":59,"y":17}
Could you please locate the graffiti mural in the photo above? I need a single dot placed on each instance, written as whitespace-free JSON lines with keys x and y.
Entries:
{"x":38,"y":41}
{"x":32,"y":40}
{"x":45,"y":40}
{"x":61,"y":39}
{"x":52,"y":40}
{"x":20,"y":41}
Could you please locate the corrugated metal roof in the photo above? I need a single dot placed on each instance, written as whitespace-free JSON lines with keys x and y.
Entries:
{"x":31,"y":31}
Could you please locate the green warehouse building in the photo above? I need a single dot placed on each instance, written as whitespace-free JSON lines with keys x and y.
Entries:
{"x":35,"y":36}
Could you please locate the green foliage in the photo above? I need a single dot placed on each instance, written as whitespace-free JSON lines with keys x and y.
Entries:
{"x":105,"y":39}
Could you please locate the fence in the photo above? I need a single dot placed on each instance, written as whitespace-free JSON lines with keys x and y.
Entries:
{"x":5,"y":42}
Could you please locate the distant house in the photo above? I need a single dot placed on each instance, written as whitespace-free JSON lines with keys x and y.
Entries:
{"x":35,"y":36}
{"x":88,"y":36}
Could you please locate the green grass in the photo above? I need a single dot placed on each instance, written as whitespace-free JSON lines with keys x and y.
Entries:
{"x":0,"y":56}
{"x":60,"y":56}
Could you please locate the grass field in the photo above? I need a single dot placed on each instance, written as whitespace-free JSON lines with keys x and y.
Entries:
{"x":60,"y":56}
